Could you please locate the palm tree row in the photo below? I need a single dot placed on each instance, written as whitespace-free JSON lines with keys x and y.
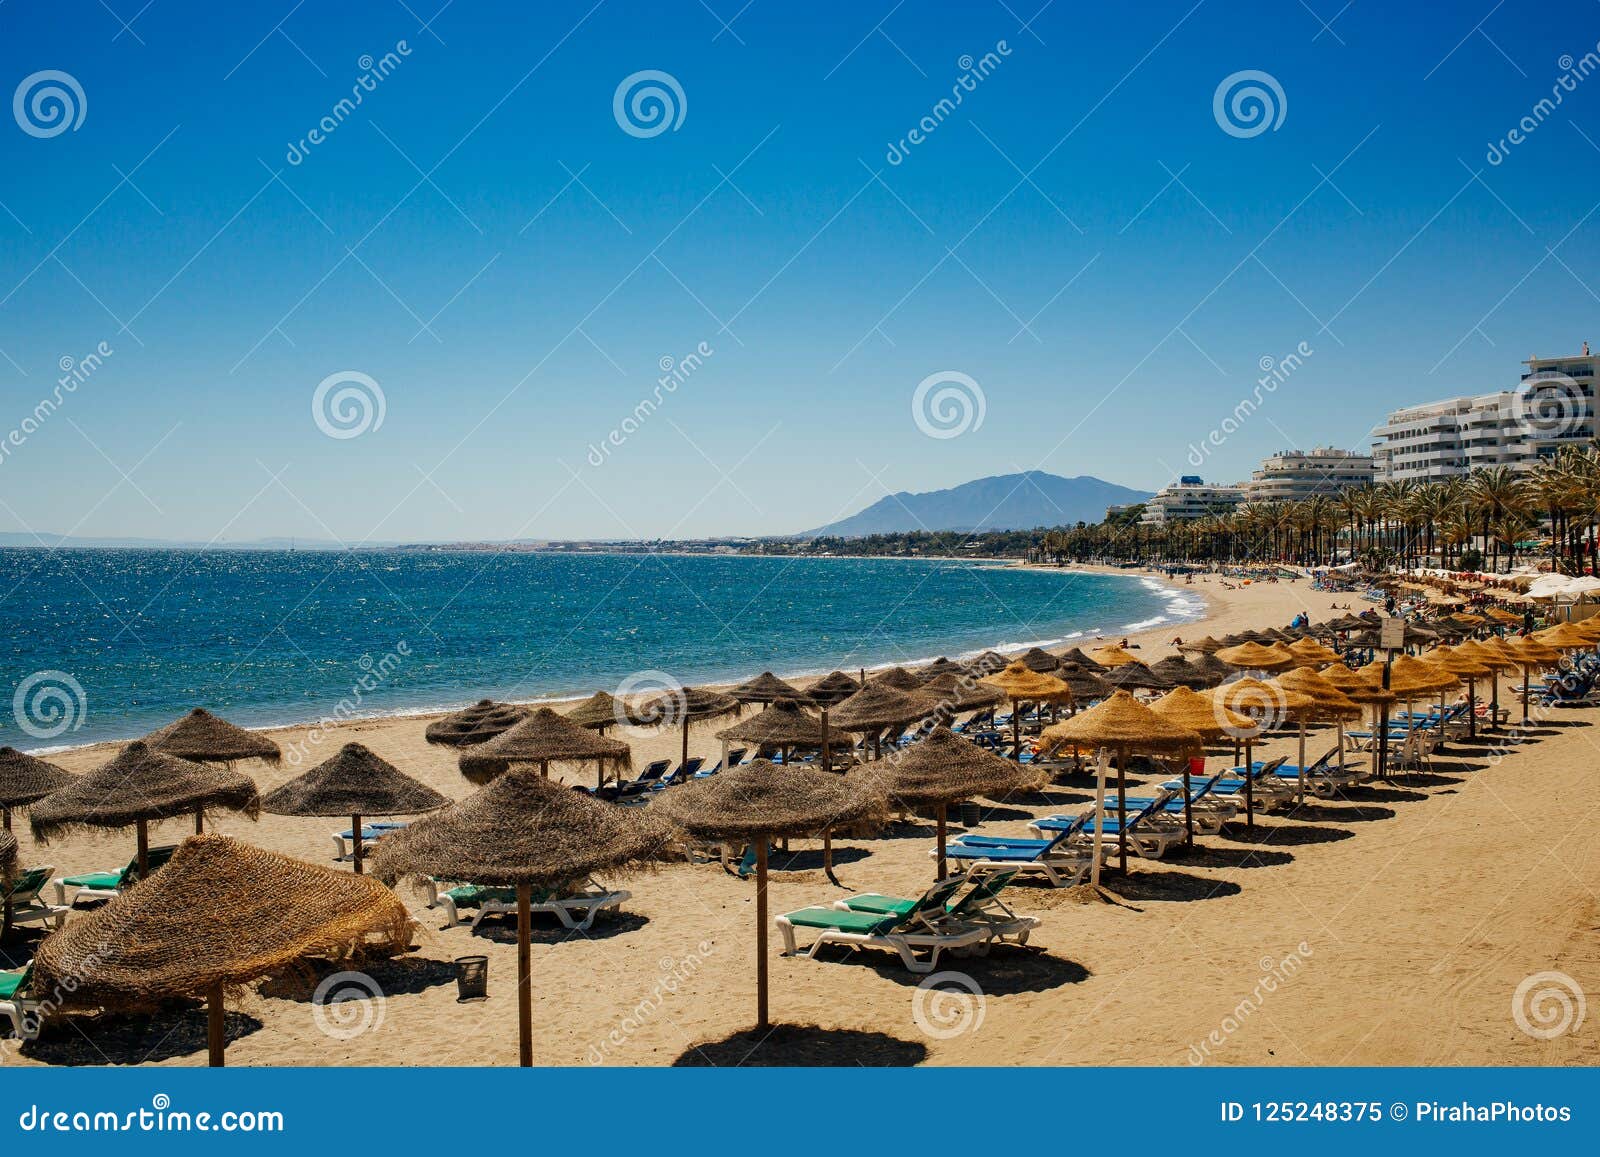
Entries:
{"x":1482,"y":519}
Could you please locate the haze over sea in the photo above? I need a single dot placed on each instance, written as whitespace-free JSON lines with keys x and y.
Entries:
{"x":270,"y":638}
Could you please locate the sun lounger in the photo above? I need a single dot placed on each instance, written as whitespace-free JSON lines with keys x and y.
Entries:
{"x":1150,"y":830}
{"x":576,"y":911}
{"x":927,"y":929}
{"x":16,"y":1006}
{"x":981,"y":905}
{"x":105,"y":885}
{"x":344,"y":842}
{"x":1063,"y":861}
{"x":27,"y":905}
{"x":1209,"y":814}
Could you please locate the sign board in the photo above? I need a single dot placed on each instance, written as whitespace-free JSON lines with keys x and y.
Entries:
{"x":1392,"y":637}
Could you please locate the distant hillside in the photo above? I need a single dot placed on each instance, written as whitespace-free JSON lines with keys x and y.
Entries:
{"x":1004,"y":502}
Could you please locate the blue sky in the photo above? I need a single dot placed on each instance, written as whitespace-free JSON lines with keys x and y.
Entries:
{"x":483,"y":240}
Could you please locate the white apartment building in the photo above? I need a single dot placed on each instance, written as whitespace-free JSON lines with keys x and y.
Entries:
{"x":1295,"y":475}
{"x":1552,"y":406}
{"x":1189,"y":498}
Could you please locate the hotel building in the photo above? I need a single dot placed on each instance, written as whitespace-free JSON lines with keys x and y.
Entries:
{"x":1190,"y":498}
{"x":1295,"y":475}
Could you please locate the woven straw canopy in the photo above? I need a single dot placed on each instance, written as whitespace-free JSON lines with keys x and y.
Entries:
{"x":1565,"y":637}
{"x":1405,"y":679}
{"x":1208,"y":719}
{"x":476,"y":724}
{"x":1077,"y":656}
{"x":220,"y":913}
{"x":25,"y":778}
{"x":8,"y":856}
{"x":760,"y":799}
{"x":832,"y":688}
{"x":1084,"y":683}
{"x":1358,"y":686}
{"x":962,"y":693}
{"x":1038,"y":659}
{"x":682,"y":707}
{"x":1136,"y":675}
{"x":1531,"y":652}
{"x":1252,"y":656}
{"x":1331,"y":703}
{"x":1487,"y":656}
{"x":1112,"y":655}
{"x":1178,"y":671}
{"x":875,"y":707}
{"x":1458,"y":663}
{"x":542,"y":738}
{"x":898,"y":678}
{"x":141,"y":784}
{"x":1123,"y":722}
{"x":765,"y":688}
{"x":1310,"y":649}
{"x":524,"y":829}
{"x":1204,"y":646}
{"x":1019,"y":683}
{"x":353,"y":782}
{"x":206,"y":738}
{"x":599,"y":711}
{"x":987,"y":663}
{"x":943,"y":768}
{"x":1261,"y":701}
{"x":783,"y":724}
{"x":941,"y":666}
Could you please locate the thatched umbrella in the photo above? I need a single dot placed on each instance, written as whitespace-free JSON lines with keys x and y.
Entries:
{"x":832,"y":688}
{"x":1180,"y":672}
{"x":1332,"y":706}
{"x":1186,"y":708}
{"x":766,"y":688}
{"x":1529,"y":653}
{"x":942,"y":768}
{"x":1038,"y":659}
{"x":1565,"y":637}
{"x":898,"y":678}
{"x":541,"y":739}
{"x":138,"y":786}
{"x":1085,"y":683}
{"x":1311,"y":650}
{"x":202,"y":737}
{"x":1497,"y":661}
{"x":1113,"y":655}
{"x":355,"y":783}
{"x":524,"y":831}
{"x":1468,"y":668}
{"x":1266,"y":704}
{"x":1021,"y":685}
{"x":987,"y":663}
{"x":598,"y":712}
{"x":875,"y":708}
{"x":220,"y":915}
{"x":784,"y":724}
{"x":479,"y":723}
{"x":1077,"y":656}
{"x":25,"y":778}
{"x":685,"y":707}
{"x":1204,"y":646}
{"x":1406,"y":678}
{"x":1136,"y":676}
{"x":759,"y":801}
{"x":8,"y":858}
{"x":941,"y":666}
{"x":1250,"y":656}
{"x":1128,"y":727}
{"x":958,"y":693}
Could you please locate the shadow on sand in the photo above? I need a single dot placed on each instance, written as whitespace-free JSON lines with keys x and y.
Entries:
{"x":115,"y":1039}
{"x":803,"y":1046}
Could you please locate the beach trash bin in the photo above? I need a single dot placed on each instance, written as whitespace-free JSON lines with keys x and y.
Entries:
{"x":472,"y":977}
{"x":971,"y":814}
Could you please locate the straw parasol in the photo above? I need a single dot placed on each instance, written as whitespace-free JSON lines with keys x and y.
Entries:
{"x":1267,"y":704}
{"x":1128,"y":727}
{"x":758,"y":801}
{"x":1252,"y":656}
{"x":8,"y":857}
{"x":1112,"y":655}
{"x":1084,"y":683}
{"x":353,"y":783}
{"x":685,"y":707}
{"x":598,"y":712}
{"x":25,"y":778}
{"x":543,"y":738}
{"x":220,"y":915}
{"x":479,"y":723}
{"x":1178,"y":671}
{"x":1529,"y":653}
{"x":987,"y":663}
{"x":1019,"y":684}
{"x":941,"y":666}
{"x":138,"y":786}
{"x":962,"y":693}
{"x":1565,"y":637}
{"x":784,"y":724}
{"x":875,"y":708}
{"x":765,"y":688}
{"x":1038,"y":659}
{"x":898,"y":678}
{"x":1312,"y":650}
{"x":1077,"y":656}
{"x":942,"y":768}
{"x":206,"y":738}
{"x":1458,"y":662}
{"x":1136,"y":675}
{"x":1331,"y":706}
{"x":1186,"y":708}
{"x":524,"y":831}
{"x":1491,"y":656}
{"x":1205,"y":646}
{"x":832,"y":688}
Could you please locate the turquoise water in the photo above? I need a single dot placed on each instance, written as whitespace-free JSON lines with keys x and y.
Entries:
{"x":107,"y":644}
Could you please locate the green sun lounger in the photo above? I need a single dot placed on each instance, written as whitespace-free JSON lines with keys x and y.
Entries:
{"x":926,"y":928}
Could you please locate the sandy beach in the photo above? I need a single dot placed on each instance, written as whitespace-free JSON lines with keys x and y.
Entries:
{"x":1390,"y":928}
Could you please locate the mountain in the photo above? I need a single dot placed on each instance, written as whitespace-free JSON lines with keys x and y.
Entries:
{"x":1004,"y":502}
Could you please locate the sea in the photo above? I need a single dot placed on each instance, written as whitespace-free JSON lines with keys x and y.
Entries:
{"x":107,"y":644}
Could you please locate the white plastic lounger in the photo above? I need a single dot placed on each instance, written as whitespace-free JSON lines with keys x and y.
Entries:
{"x":576,"y":912}
{"x":27,"y":905}
{"x":927,"y":929}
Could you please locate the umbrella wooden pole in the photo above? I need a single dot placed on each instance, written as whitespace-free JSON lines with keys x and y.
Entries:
{"x":761,"y":931}
{"x":684,"y":761}
{"x":1472,"y":709}
{"x":199,"y":822}
{"x":216,"y":1026}
{"x":1099,"y":816}
{"x":1016,"y":731}
{"x":1122,"y":810}
{"x":1188,"y":814}
{"x":1249,"y":788}
{"x":827,"y":749}
{"x":355,"y":844}
{"x":1527,"y":679}
{"x":142,"y":835}
{"x":5,"y":813}
{"x":943,"y":808}
{"x":524,"y":977}
{"x":1494,"y":700}
{"x":1300,"y":796}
